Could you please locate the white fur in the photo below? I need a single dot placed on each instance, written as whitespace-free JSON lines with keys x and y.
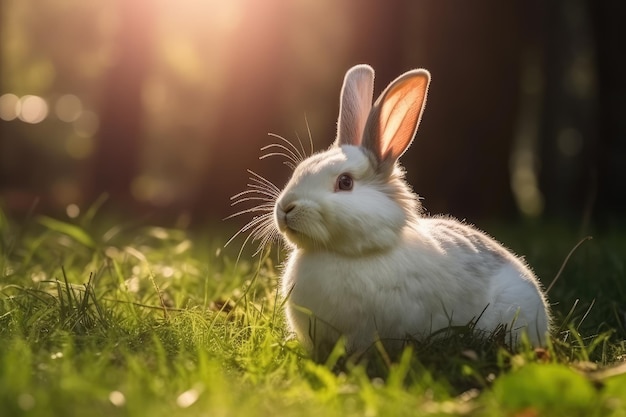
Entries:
{"x":412,"y":290}
{"x":366,"y":266}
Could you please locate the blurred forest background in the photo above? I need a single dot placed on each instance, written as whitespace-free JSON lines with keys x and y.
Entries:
{"x":164,"y":104}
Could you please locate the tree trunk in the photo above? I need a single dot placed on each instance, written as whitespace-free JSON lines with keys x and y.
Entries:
{"x":118,"y":147}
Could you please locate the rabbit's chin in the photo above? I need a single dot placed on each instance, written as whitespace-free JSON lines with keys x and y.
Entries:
{"x":345,"y":244}
{"x":301,"y":241}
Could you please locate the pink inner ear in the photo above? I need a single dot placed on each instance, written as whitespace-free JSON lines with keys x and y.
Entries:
{"x":400,"y":114}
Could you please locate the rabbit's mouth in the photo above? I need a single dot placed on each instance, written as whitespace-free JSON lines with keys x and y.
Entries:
{"x":301,"y":224}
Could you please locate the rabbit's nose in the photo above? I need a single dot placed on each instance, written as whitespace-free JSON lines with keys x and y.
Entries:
{"x":289,"y":207}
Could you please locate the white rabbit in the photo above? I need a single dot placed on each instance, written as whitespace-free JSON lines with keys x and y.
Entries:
{"x":364,"y":263}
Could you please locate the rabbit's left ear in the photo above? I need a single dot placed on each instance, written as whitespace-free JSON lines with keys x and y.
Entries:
{"x":355,"y":104}
{"x":395,"y":116}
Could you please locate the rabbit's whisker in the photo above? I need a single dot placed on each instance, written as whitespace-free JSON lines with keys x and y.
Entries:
{"x":262,"y":180}
{"x":255,"y":192}
{"x":263,"y":231}
{"x":288,"y":153}
{"x":263,"y":218}
{"x":259,"y":189}
{"x":262,"y":187}
{"x":308,"y":129}
{"x":255,"y":198}
{"x":290,"y":161}
{"x":294,"y":150}
{"x":301,"y":145}
{"x":266,"y":208}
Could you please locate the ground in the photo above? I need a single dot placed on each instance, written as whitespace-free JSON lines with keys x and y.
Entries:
{"x":132,"y":320}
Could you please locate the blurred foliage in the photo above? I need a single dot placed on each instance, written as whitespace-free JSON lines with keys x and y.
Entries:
{"x":174,"y":99}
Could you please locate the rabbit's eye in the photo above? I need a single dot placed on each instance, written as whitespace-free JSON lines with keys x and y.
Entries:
{"x":344,"y":182}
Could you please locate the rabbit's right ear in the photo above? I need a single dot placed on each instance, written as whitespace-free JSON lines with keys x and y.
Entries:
{"x":356,"y":103}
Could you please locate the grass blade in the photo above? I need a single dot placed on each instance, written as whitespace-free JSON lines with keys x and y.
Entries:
{"x":73,"y":231}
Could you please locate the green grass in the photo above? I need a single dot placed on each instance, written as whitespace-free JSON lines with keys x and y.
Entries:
{"x":101,"y":319}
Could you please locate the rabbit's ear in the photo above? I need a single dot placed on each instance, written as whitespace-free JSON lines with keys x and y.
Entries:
{"x":394,"y":118}
{"x":355,"y":105}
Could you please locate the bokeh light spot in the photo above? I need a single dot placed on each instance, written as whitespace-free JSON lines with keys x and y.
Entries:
{"x":154,"y":190}
{"x":26,"y":402}
{"x":68,"y":108}
{"x":168,"y":272}
{"x":72,"y":211}
{"x":33,"y":109}
{"x":524,"y":184}
{"x":9,"y":107}
{"x":87,"y":124}
{"x":117,"y":398}
{"x":188,"y":398}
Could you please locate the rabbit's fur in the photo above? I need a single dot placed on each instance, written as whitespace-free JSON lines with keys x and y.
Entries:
{"x":365,"y":263}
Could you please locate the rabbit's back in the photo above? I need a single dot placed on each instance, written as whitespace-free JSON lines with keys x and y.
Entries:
{"x":513,"y":293}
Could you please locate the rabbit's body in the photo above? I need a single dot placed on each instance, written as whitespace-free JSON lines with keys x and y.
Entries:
{"x":398,"y":293}
{"x":365,"y":264}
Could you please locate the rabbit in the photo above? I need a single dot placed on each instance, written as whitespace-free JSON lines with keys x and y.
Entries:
{"x":364,"y":263}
